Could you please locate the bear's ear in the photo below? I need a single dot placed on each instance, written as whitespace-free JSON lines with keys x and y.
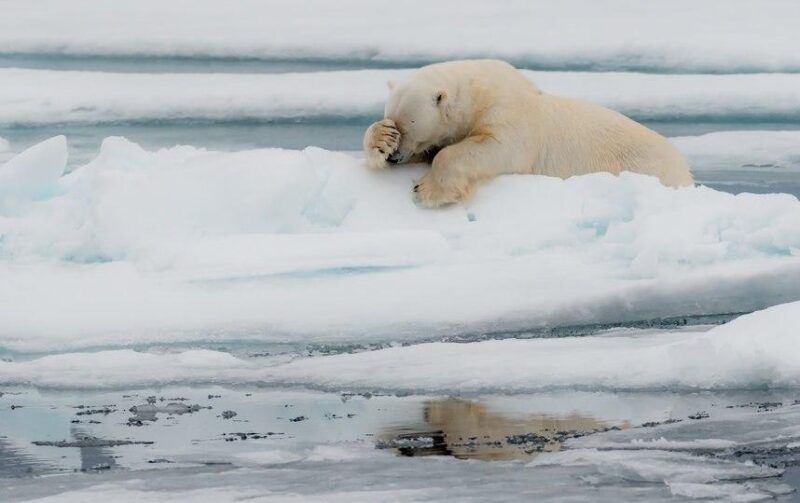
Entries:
{"x":442,"y":102}
{"x":390,"y":84}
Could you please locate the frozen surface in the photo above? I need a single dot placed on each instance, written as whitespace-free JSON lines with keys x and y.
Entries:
{"x":680,"y":35}
{"x":753,"y":351}
{"x":33,"y":174}
{"x":30,"y":97}
{"x":186,"y":244}
{"x":765,"y":151}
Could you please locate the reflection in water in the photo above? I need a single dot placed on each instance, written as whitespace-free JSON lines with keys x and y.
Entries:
{"x":467,"y":430}
{"x":93,"y":456}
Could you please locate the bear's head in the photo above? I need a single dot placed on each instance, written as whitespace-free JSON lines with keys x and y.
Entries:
{"x":421,"y":114}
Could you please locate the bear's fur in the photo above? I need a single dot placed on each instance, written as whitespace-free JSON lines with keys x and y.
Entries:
{"x":474,"y":120}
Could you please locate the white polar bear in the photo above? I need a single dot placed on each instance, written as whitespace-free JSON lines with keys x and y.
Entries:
{"x":474,"y":120}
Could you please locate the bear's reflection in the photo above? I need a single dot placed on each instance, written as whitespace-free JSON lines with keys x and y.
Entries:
{"x":468,"y":430}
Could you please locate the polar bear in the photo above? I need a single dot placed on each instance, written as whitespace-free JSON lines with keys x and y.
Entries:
{"x":477,"y":119}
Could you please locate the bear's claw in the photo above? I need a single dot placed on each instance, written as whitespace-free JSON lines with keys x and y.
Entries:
{"x":433,"y":192}
{"x":380,"y":142}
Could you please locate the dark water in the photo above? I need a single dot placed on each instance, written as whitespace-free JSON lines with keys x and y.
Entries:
{"x":211,"y":64}
{"x":85,"y":139}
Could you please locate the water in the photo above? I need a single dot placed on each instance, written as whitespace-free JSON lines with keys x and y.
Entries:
{"x":176,"y":64}
{"x":164,"y":438}
{"x":85,"y":140}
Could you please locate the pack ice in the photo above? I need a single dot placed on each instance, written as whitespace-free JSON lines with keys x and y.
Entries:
{"x":38,"y":97}
{"x":736,"y":35}
{"x":186,"y":244}
{"x":755,"y":351}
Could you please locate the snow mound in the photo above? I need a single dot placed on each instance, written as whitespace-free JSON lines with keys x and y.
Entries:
{"x":285,"y":245}
{"x":716,"y":35}
{"x":46,"y":97}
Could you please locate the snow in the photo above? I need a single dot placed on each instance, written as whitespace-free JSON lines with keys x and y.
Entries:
{"x":183,"y":243}
{"x":715,"y":36}
{"x":752,"y":352}
{"x":110,"y":369}
{"x":755,"y":150}
{"x":46,"y":97}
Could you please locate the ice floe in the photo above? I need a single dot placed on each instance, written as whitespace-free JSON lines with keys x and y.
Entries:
{"x":762,"y":151}
{"x":34,"y":173}
{"x":138,"y":246}
{"x":753,"y":351}
{"x":31,"y":97}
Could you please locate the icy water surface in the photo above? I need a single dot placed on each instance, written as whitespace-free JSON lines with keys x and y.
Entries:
{"x":261,"y":441}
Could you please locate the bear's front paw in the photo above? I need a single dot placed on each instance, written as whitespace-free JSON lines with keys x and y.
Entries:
{"x":432,"y":191}
{"x":381,"y":141}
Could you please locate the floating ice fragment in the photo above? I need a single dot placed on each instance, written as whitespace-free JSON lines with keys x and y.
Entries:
{"x":33,"y":173}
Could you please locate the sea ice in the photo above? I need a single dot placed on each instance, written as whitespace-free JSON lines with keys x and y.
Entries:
{"x":175,"y":245}
{"x":753,"y":351}
{"x":36,"y":97}
{"x":715,"y":36}
{"x":34,"y":173}
{"x":755,"y":150}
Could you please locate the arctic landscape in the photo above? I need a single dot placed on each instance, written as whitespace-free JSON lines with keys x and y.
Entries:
{"x":205,"y":294}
